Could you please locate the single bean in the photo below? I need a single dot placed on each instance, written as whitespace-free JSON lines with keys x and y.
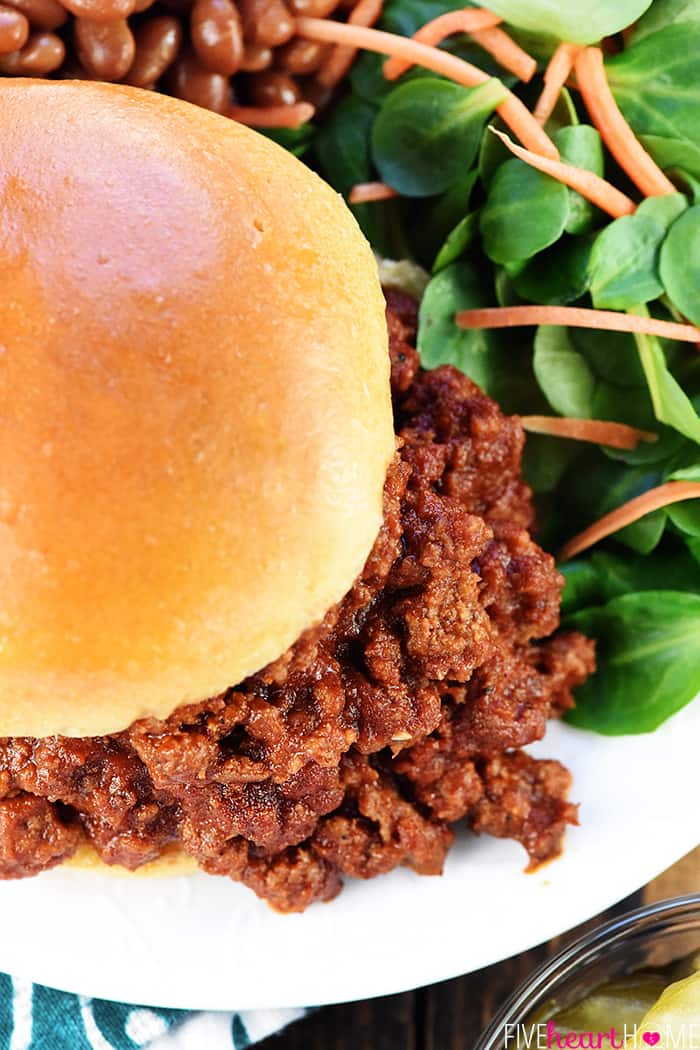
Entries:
{"x":42,"y":54}
{"x":273,"y":89}
{"x":217,"y":35}
{"x":14,"y":30}
{"x":187,"y":79}
{"x":106,"y":49}
{"x":301,"y":57}
{"x":142,"y":5}
{"x":157,"y":44}
{"x":266,"y":22}
{"x":100,"y":10}
{"x":42,"y":14}
{"x":256,"y":58}
{"x":313,"y":8}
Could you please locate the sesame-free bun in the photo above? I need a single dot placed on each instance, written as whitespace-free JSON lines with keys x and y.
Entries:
{"x":195,"y":422}
{"x":172,"y":861}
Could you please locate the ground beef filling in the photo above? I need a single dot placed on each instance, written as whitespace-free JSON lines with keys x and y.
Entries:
{"x":403,"y":712}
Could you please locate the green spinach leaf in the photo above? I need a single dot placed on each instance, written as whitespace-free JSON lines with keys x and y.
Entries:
{"x":625,"y":256}
{"x":655,"y":83}
{"x":406,"y":16}
{"x":499,"y":365}
{"x":664,"y":13}
{"x":581,"y":146}
{"x":564,"y":375}
{"x":457,"y":241}
{"x":525,"y":212}
{"x":342,"y":144}
{"x":432,"y":218}
{"x":648,"y":659}
{"x":679,"y":264}
{"x":693,"y":546}
{"x":602,"y":575}
{"x":582,"y":585}
{"x":608,"y":484}
{"x":686,"y":516}
{"x":579,"y":23}
{"x":559,"y":274}
{"x":428,"y":131}
{"x":440,"y":341}
{"x":671,"y":404}
{"x":545,"y":459}
{"x":342,"y":152}
{"x":679,"y":157}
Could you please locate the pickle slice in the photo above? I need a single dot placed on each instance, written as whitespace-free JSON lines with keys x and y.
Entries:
{"x":625,"y":1000}
{"x":676,"y":1015}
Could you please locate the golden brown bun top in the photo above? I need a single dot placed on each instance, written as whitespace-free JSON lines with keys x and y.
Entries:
{"x":195,"y":422}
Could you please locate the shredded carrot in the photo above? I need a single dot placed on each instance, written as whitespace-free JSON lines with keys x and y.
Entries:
{"x":555,"y":77}
{"x":514,"y":113}
{"x":292,"y":116}
{"x":363,"y":192}
{"x":615,"y":435}
{"x":654,"y":499}
{"x":597,"y":190}
{"x":614,"y":129}
{"x":575,"y":317}
{"x":506,"y":52}
{"x":433,"y":33}
{"x":334,"y":68}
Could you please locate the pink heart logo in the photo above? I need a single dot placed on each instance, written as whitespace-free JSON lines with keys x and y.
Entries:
{"x":651,"y":1038}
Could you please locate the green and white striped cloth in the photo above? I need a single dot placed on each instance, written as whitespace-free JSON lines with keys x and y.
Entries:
{"x":33,"y":1017}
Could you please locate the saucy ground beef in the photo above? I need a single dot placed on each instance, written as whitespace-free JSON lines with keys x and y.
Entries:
{"x":403,"y":712}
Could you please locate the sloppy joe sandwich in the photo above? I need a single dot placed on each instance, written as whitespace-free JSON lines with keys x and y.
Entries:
{"x":268,"y":598}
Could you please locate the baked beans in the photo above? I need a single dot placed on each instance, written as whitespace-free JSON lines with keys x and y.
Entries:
{"x":100,"y":10}
{"x":42,"y":54}
{"x":41,"y":14}
{"x":105,"y":49}
{"x":213,"y":53}
{"x":217,"y":35}
{"x":301,"y":57}
{"x":274,"y":89}
{"x":14,"y":30}
{"x":157,"y":43}
{"x":256,"y":58}
{"x":189,"y":79}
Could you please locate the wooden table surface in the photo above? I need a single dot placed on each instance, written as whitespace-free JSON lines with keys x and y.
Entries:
{"x":449,"y":1016}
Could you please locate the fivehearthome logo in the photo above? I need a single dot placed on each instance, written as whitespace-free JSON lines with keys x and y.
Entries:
{"x":547,"y":1036}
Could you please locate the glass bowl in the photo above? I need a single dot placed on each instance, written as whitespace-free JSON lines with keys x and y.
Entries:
{"x":652,"y":936}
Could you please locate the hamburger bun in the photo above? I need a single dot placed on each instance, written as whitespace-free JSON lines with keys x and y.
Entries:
{"x":195,"y":422}
{"x":172,"y":861}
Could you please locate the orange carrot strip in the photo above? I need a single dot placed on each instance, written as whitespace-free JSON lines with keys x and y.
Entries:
{"x":514,"y":113}
{"x":654,"y":499}
{"x":575,"y":317}
{"x":597,"y":190}
{"x":334,"y":68}
{"x":292,"y":116}
{"x":362,"y":192}
{"x":506,"y":52}
{"x":614,"y":129}
{"x":615,"y":435}
{"x":433,"y":33}
{"x":555,"y":77}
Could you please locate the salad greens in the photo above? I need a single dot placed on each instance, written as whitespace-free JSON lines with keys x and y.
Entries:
{"x":428,"y":131}
{"x":490,"y":230}
{"x":578,"y":23}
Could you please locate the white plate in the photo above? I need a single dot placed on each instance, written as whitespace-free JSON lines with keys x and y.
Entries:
{"x":203,"y":942}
